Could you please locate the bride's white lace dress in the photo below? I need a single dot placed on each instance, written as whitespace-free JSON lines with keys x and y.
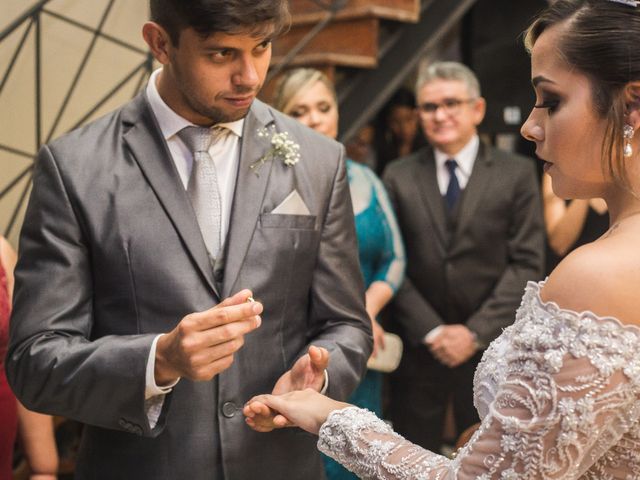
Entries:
{"x":559,"y":397}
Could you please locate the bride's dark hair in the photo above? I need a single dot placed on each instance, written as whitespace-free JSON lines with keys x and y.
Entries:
{"x":601,"y":39}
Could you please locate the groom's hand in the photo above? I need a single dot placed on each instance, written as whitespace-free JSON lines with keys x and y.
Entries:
{"x":203,"y":343}
{"x":306,"y":373}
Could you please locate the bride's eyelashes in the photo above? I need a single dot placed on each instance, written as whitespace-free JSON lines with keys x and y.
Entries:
{"x":551,"y":103}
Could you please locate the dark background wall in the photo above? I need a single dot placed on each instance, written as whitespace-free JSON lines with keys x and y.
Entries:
{"x":492,"y":45}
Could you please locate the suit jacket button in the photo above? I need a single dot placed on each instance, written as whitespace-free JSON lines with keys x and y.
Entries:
{"x":229,"y":409}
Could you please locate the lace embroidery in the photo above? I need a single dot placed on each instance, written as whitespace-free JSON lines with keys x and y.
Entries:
{"x":559,"y":396}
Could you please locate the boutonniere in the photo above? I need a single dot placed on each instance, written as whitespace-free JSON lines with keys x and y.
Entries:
{"x":281,"y":147}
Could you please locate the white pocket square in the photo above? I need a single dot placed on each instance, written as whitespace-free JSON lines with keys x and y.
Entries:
{"x":292,"y":205}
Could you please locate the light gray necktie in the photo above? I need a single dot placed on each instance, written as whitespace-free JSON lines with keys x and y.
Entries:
{"x":202,"y":188}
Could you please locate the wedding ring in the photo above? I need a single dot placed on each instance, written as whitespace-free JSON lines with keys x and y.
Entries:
{"x":250,"y":300}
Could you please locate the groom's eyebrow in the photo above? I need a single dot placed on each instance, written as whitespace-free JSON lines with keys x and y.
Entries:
{"x":216,"y":47}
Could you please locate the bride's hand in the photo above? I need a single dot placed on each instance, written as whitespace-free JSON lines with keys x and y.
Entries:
{"x":306,"y":409}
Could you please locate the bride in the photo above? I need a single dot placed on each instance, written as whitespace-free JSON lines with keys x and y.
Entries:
{"x":559,"y":391}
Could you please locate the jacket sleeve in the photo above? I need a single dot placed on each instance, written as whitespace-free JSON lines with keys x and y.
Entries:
{"x":338,"y":320}
{"x":53,"y":365}
{"x":392,"y":262}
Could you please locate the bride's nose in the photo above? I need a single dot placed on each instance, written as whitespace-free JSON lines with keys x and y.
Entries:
{"x":531,"y":130}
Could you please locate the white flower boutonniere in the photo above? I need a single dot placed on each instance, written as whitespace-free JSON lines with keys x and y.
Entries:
{"x":281,"y":147}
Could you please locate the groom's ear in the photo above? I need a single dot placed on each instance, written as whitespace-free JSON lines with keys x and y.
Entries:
{"x":158,"y":40}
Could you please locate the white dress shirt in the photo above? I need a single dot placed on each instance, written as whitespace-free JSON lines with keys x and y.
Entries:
{"x":465,"y":159}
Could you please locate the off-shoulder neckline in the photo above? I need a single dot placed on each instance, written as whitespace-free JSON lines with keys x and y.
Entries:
{"x":551,"y":306}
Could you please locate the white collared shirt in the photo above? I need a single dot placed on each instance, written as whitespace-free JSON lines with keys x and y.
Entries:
{"x":465,"y":159}
{"x":225,"y":152}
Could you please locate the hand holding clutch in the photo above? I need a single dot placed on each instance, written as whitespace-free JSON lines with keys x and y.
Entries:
{"x":388,"y":358}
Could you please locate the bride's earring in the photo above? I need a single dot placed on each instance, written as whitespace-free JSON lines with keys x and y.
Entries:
{"x":628,"y":135}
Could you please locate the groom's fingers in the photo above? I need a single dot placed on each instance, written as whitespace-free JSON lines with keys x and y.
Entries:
{"x":218,"y":316}
{"x":319,"y":358}
{"x":280,"y":421}
{"x":236,"y":299}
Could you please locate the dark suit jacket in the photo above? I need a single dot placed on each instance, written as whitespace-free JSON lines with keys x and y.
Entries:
{"x":111,"y":255}
{"x":471,"y":270}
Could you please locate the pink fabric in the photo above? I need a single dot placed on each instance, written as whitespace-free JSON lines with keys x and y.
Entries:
{"x":8,"y":407}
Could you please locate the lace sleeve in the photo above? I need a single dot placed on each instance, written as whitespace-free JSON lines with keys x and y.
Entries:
{"x":369,"y":447}
{"x":566,"y":407}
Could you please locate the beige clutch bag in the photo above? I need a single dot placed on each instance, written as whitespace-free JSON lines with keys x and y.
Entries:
{"x":387,"y":360}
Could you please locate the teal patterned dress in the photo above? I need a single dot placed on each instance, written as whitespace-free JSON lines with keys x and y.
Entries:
{"x":382,"y":258}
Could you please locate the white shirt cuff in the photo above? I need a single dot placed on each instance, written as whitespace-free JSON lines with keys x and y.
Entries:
{"x":429,"y":337}
{"x":151,"y":389}
{"x":325,"y":387}
{"x":153,"y":394}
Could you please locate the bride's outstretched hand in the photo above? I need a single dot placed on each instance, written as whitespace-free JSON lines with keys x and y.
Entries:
{"x":306,"y":409}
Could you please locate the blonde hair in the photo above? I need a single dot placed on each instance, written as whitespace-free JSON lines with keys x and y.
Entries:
{"x":296,"y":81}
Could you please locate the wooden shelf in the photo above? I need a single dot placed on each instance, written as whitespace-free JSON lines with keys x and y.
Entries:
{"x":307,"y":11}
{"x":349,"y":43}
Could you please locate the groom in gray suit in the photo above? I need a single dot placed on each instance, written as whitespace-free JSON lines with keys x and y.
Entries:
{"x":148,"y":233}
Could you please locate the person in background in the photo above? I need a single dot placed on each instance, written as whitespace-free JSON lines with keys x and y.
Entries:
{"x":309,"y":96}
{"x":360,"y":148}
{"x":399,"y":132}
{"x":471,"y":218}
{"x":559,"y":390}
{"x":570,"y":224}
{"x":34,"y":430}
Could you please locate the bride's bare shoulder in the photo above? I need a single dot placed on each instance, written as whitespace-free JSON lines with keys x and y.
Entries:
{"x":601,"y":277}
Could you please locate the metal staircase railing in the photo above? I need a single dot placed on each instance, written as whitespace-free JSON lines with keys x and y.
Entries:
{"x":31,"y":23}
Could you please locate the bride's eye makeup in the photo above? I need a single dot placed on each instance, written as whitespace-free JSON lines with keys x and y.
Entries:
{"x":548,"y":101}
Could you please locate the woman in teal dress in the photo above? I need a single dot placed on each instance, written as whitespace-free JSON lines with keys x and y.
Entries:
{"x":309,"y":96}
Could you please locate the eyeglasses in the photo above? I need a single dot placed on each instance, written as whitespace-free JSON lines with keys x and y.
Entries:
{"x":450,"y":106}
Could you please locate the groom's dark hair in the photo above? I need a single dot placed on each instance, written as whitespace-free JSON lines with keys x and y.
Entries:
{"x":257,"y":17}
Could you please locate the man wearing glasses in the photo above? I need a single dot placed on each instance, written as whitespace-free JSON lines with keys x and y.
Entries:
{"x":472,"y":223}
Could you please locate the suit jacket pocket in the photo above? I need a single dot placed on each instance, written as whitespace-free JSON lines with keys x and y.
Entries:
{"x":299,"y":222}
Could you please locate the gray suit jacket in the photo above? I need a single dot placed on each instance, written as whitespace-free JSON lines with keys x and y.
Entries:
{"x":111,"y":255}
{"x":473,"y":269}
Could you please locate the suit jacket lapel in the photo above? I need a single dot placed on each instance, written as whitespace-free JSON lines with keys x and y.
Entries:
{"x":150,"y":151}
{"x":475,"y":189}
{"x":427,"y":184}
{"x":249,"y":193}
